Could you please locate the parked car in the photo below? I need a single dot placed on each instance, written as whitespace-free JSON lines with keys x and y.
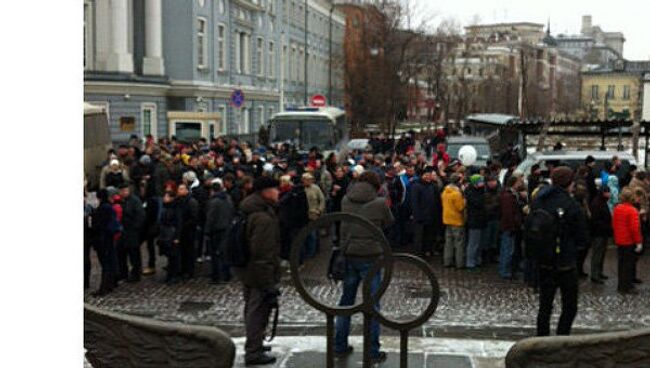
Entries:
{"x":573,"y":159}
{"x":481,"y":145}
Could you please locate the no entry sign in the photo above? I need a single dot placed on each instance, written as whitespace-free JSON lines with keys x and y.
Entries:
{"x":318,"y":100}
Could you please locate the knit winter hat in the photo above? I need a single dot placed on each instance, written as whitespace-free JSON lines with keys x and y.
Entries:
{"x":476,"y":179}
{"x":562,"y":176}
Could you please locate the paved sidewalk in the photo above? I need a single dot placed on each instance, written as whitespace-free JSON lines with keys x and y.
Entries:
{"x":476,"y":305}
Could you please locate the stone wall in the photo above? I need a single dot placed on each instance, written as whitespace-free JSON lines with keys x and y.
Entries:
{"x":119,"y":340}
{"x":629,"y":349}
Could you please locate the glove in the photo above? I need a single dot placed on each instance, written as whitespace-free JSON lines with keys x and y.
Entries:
{"x":639,"y":248}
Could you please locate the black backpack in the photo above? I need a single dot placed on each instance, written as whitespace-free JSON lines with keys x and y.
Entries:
{"x":238,"y":247}
{"x":543,"y":236}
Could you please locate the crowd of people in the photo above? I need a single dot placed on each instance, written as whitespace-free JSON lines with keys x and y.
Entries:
{"x":182,"y":200}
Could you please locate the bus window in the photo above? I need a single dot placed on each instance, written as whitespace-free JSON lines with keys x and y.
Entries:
{"x":188,"y":132}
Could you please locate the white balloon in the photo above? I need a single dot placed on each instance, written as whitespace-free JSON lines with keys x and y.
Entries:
{"x":467,"y":155}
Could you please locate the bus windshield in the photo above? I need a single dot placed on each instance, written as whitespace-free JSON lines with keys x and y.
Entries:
{"x":304,"y":134}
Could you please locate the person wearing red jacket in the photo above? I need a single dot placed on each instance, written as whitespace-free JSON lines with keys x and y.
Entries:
{"x":627,"y":236}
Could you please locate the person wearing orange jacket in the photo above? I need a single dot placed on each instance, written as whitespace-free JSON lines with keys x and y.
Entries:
{"x":627,"y":236}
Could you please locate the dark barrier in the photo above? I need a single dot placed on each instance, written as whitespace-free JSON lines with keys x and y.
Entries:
{"x":115,"y":340}
{"x":630,"y":349}
{"x":384,"y":262}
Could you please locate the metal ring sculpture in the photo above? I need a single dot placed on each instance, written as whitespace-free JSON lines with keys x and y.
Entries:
{"x":384,"y":262}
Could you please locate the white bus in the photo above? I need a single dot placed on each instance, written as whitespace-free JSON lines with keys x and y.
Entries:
{"x":308,"y":127}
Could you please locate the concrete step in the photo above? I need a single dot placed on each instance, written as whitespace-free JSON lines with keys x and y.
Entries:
{"x":310,"y":351}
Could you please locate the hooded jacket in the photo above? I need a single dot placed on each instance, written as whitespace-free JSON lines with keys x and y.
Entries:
{"x":263,"y":238}
{"x":453,"y":206}
{"x":361,"y":199}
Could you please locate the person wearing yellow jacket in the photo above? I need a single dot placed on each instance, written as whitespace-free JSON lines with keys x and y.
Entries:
{"x":453,"y":216}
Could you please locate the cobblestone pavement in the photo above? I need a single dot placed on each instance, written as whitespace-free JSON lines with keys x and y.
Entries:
{"x":475,"y":305}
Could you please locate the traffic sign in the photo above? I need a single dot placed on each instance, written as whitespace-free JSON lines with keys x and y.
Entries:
{"x":237,"y":98}
{"x":318,"y":100}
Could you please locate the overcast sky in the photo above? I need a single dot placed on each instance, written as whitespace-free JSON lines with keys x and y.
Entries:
{"x":627,"y":16}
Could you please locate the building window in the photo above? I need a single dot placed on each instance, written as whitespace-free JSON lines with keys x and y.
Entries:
{"x":149,"y":120}
{"x":222,"y":6}
{"x":271,"y":67}
{"x":594,"y":93}
{"x":626,"y":92}
{"x":260,"y":116}
{"x":271,"y":112}
{"x":221,"y":46}
{"x":611,"y":92}
{"x":224,"y":119}
{"x":202,"y":42}
{"x":285,"y":62}
{"x":301,"y":64}
{"x":294,"y":64}
{"x":243,"y":53}
{"x":260,"y":57}
{"x":244,"y":124}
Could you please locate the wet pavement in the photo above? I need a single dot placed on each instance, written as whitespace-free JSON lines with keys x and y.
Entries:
{"x":476,"y":305}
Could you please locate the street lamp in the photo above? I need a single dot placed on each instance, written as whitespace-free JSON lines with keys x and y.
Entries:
{"x":374,"y":51}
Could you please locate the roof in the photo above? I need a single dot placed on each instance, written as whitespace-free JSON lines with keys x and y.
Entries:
{"x":466,"y":139}
{"x":505,"y":25}
{"x":325,"y":112}
{"x":627,"y":67}
{"x":559,"y":155}
{"x":494,"y":119}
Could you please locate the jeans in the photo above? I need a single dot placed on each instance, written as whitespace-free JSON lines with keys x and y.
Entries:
{"x":355,"y":274}
{"x":454,"y":246}
{"x":173,"y":262}
{"x":549,"y":281}
{"x":220,"y":267}
{"x":598,"y":257}
{"x":505,"y":256}
{"x":311,"y":244}
{"x":424,"y":235}
{"x":490,"y":236}
{"x":473,"y":247}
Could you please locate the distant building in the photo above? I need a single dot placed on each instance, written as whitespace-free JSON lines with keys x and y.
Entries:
{"x":615,"y":89}
{"x":169,"y":67}
{"x":646,"y":98}
{"x":592,"y":46}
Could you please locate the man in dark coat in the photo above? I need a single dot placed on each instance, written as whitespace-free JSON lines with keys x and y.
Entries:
{"x":476,"y":219}
{"x":556,"y":199}
{"x":133,"y":217}
{"x":261,"y":275}
{"x":601,"y":230}
{"x":202,"y":194}
{"x":188,"y":209}
{"x":425,"y":201}
{"x":219,"y":214}
{"x":490,"y":236}
{"x":590,"y":179}
{"x":293,"y":215}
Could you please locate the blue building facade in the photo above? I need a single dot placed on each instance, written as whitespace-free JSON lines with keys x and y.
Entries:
{"x":169,"y":67}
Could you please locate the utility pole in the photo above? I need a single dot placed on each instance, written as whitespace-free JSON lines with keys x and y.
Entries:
{"x":282,"y":61}
{"x":306,"y":55}
{"x":329,"y":74}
